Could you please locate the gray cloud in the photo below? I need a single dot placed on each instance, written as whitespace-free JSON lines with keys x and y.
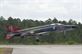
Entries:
{"x":42,"y":9}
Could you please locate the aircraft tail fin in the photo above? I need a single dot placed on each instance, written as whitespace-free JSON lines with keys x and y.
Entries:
{"x":12,"y":28}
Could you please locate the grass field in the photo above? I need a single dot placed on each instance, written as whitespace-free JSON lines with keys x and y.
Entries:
{"x":6,"y":50}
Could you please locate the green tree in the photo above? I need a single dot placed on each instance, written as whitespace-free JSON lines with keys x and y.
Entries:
{"x":49,"y":21}
{"x":11,"y":21}
{"x":72,"y":22}
{"x":55,"y":20}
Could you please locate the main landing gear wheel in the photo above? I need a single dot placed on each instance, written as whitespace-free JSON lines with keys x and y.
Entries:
{"x":37,"y":39}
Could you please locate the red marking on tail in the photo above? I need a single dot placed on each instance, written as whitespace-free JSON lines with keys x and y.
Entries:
{"x":12,"y":28}
{"x":8,"y":37}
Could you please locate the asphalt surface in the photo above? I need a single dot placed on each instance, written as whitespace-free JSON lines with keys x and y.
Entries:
{"x":45,"y":49}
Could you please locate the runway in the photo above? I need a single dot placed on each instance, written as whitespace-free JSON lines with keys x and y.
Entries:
{"x":45,"y":49}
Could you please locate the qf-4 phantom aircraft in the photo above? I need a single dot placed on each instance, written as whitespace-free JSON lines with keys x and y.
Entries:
{"x":36,"y":31}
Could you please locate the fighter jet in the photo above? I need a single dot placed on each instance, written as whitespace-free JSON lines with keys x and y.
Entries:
{"x":36,"y":31}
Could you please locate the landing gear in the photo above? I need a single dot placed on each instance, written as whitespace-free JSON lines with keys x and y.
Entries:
{"x":37,"y":39}
{"x":22,"y":36}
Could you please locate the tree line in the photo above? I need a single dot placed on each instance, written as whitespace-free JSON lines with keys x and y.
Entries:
{"x":71,"y":37}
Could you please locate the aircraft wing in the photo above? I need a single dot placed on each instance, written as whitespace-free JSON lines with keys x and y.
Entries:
{"x":34,"y":28}
{"x":38,"y":28}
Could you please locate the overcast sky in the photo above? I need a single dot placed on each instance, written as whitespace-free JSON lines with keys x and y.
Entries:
{"x":42,"y":9}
